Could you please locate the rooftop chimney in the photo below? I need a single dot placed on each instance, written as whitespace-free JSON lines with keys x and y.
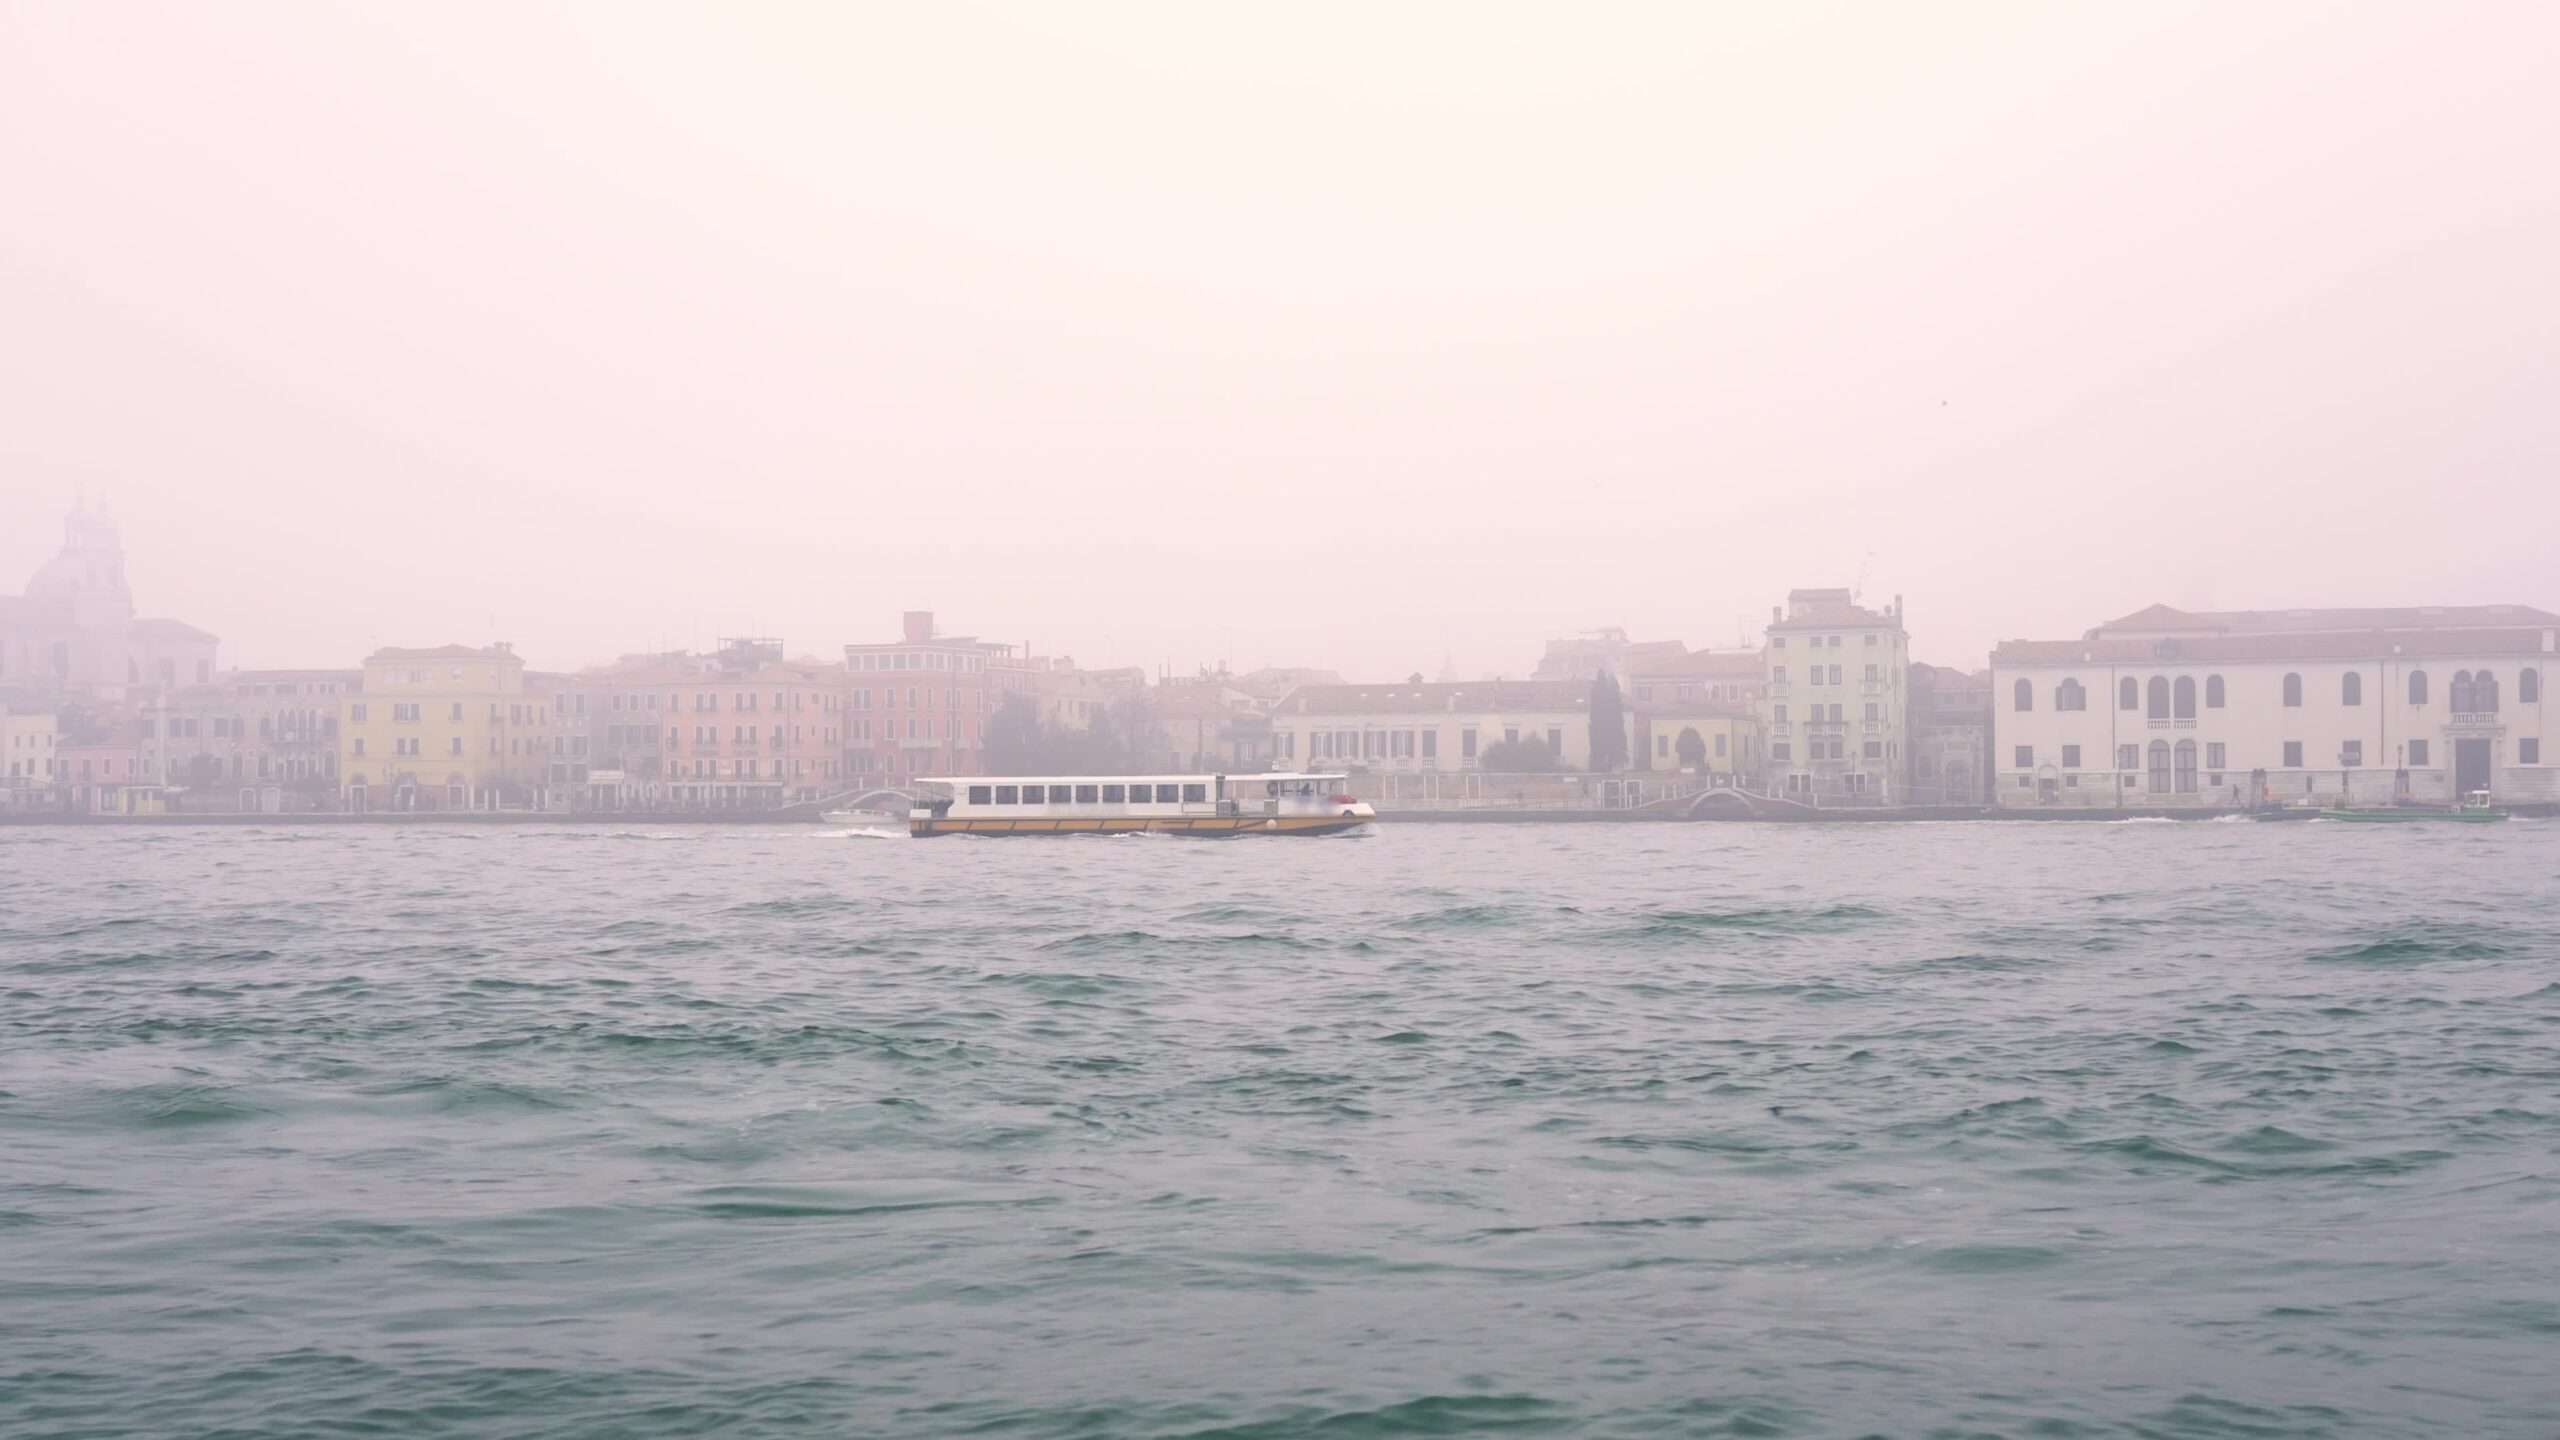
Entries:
{"x":918,"y":624}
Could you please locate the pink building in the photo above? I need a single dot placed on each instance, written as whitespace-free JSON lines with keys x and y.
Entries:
{"x":745,"y":729}
{"x":919,"y":704}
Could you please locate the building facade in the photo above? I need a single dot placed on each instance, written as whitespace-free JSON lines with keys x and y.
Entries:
{"x":448,"y":728}
{"x":1950,"y":745}
{"x":28,"y":744}
{"x":1444,"y":729}
{"x":919,"y":704}
{"x":253,"y":740}
{"x":1835,"y":699}
{"x":2171,"y":708}
{"x":746,"y":728}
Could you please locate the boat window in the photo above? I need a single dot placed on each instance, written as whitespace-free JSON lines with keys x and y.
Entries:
{"x":1115,"y":794}
{"x":1168,"y":794}
{"x":1007,"y":795}
{"x":1086,"y":794}
{"x":981,"y":795}
{"x":1195,"y":793}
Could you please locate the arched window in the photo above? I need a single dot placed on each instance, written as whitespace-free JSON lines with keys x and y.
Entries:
{"x":2070,"y":695}
{"x":2129,"y":694}
{"x":2213,"y":692}
{"x":2186,"y":697}
{"x":2417,"y":687}
{"x":2022,"y":696}
{"x":2351,"y":688}
{"x":2528,"y":686}
{"x":2186,"y":767}
{"x":2484,"y":692}
{"x":2159,"y":767}
{"x":2293,"y":691}
{"x":2158,"y":693}
{"x":2461,"y":696}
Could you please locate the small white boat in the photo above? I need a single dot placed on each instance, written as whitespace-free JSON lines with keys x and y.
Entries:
{"x":1207,"y":805}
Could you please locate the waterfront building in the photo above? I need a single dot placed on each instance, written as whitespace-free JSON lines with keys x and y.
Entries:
{"x":1699,"y":712}
{"x":919,"y":704}
{"x":2168,"y":707}
{"x":28,"y":744}
{"x":452,"y":727}
{"x":102,"y":772}
{"x":1835,"y":697}
{"x":1950,"y":747}
{"x":74,"y":634}
{"x":744,"y":727}
{"x":1211,"y":722}
{"x":253,"y":740}
{"x":1430,"y":728}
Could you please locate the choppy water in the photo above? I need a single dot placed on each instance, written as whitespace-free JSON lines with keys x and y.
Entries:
{"x":2054,"y":1130}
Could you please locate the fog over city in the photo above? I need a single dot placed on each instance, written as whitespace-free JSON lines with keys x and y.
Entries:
{"x":1375,"y":338}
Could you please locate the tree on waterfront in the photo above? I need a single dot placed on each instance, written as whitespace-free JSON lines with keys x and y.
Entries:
{"x":1691,"y":747}
{"x":1526,"y":756}
{"x":1123,"y":736}
{"x":1013,"y":737}
{"x":1608,"y":724}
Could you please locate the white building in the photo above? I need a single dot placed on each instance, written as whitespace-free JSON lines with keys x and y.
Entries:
{"x":2171,"y":707}
{"x":1430,"y":728}
{"x":27,"y":742}
{"x":1832,"y":708}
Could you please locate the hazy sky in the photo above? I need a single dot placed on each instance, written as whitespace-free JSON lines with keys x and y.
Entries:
{"x":1360,"y":335}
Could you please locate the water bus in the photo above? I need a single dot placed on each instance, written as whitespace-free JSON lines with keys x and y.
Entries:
{"x":1212,"y":805}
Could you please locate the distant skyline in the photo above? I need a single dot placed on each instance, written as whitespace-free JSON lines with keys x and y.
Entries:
{"x":1373,"y":340}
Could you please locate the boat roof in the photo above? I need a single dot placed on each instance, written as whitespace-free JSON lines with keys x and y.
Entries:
{"x":1123,"y":777}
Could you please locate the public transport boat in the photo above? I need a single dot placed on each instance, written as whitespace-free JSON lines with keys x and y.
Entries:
{"x":1210,"y":805}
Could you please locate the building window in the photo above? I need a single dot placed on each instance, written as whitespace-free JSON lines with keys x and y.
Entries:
{"x":1467,"y":744}
{"x":2418,"y":753}
{"x":2417,"y":687}
{"x":2026,"y":782}
{"x":2026,"y":757}
{"x":2070,"y":757}
{"x":2070,"y":695}
{"x":2128,"y":758}
{"x":2128,"y":694}
{"x":1875,"y":712}
{"x":2159,"y":765}
{"x":2293,"y":691}
{"x":1780,"y":750}
{"x":2351,"y":688}
{"x":2351,"y":752}
{"x":2213,"y":755}
{"x":2186,"y":701}
{"x":2156,"y":697}
{"x":2186,"y":767}
{"x":1777,"y":674}
{"x":1430,"y":744}
{"x":2529,"y":750}
{"x":2213,"y":692}
{"x":2293,"y":754}
{"x":1875,"y":750}
{"x":2528,"y":686}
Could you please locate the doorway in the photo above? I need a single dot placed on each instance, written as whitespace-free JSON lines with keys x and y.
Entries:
{"x":2470,"y":766}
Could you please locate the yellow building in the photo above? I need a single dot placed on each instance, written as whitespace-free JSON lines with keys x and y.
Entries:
{"x":448,"y":728}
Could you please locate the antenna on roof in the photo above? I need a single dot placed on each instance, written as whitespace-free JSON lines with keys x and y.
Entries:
{"x":1858,"y":587}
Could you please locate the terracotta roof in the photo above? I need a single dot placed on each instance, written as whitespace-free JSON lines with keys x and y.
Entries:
{"x":2316,"y":645}
{"x":1470,"y":698}
{"x":2166,"y":619}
